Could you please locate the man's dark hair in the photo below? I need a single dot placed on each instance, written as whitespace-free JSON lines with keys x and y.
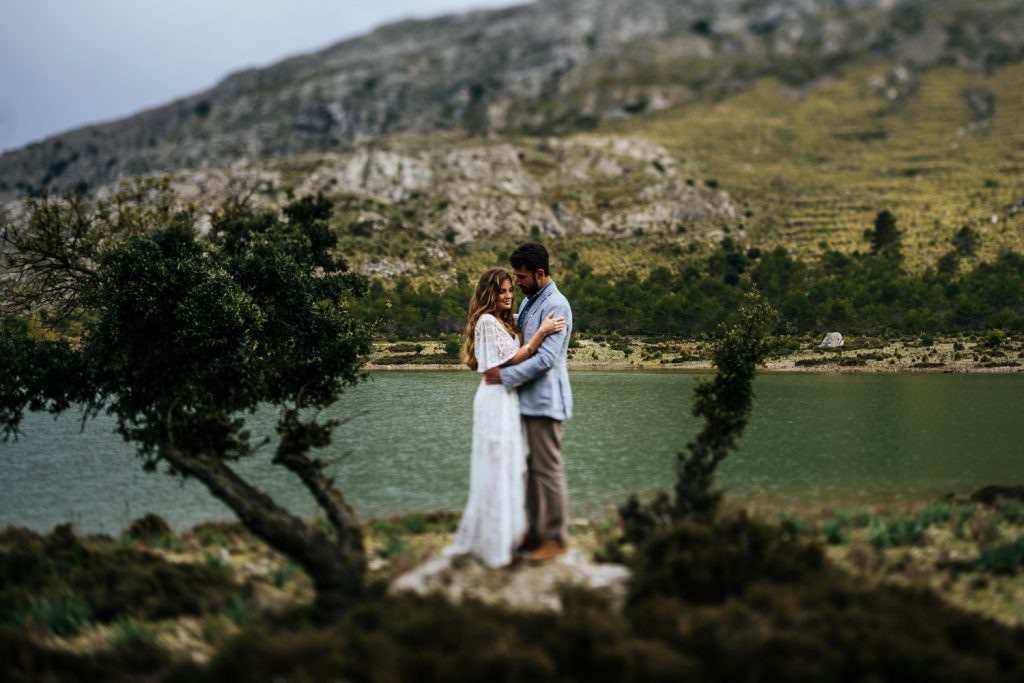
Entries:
{"x":532,"y":257}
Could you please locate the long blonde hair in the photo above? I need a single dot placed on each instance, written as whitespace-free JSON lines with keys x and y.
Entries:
{"x":485,"y":300}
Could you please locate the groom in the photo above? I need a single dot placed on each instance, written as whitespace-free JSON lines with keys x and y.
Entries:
{"x":545,"y":401}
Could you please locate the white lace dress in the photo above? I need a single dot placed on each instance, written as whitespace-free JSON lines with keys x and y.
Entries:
{"x":494,"y":521}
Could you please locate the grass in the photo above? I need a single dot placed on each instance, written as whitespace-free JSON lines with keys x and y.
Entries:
{"x":818,"y":168}
{"x":969,"y":553}
{"x":63,"y":616}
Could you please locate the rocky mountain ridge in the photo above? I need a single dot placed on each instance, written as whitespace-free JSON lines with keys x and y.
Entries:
{"x":468,"y":189}
{"x":547,"y":67}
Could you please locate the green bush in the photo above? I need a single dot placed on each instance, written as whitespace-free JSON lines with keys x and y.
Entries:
{"x":835,"y":533}
{"x":453,"y":345}
{"x":896,"y":532}
{"x":111,"y":580}
{"x":1006,"y":558}
{"x":238,"y":612}
{"x":707,"y":563}
{"x":23,"y":660}
{"x":211,"y":537}
{"x":62,"y":616}
{"x":131,"y":630}
{"x":280,"y":576}
{"x":393,"y":545}
{"x":149,"y":527}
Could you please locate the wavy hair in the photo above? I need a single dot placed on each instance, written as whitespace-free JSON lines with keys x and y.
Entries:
{"x":485,"y":300}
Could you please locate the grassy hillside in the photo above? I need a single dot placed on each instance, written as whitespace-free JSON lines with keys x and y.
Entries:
{"x":807,"y":170}
{"x":817,"y":167}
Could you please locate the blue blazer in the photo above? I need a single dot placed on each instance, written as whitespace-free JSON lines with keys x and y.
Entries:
{"x":543,"y":379}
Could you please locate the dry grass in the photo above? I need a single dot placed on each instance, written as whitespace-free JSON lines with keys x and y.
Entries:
{"x":817,"y":167}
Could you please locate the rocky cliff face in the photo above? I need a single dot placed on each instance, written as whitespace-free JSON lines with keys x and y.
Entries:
{"x":549,"y":66}
{"x":464,"y":189}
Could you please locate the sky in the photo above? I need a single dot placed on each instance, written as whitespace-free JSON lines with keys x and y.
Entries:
{"x":70,"y":63}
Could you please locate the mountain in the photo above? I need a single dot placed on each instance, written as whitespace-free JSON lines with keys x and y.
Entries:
{"x":550,"y":67}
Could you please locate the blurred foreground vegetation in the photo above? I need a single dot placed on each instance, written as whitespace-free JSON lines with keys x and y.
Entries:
{"x":921,"y":591}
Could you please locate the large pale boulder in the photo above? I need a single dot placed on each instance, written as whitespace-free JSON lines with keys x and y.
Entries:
{"x":832,"y":340}
{"x":533,"y":587}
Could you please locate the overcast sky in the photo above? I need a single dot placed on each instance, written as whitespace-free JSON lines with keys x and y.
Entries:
{"x":69,"y":63}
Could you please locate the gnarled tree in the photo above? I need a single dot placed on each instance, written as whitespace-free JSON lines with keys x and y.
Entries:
{"x":180,"y":336}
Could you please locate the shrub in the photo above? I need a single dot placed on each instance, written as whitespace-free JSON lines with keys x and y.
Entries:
{"x":280,"y":576}
{"x":835,"y":533}
{"x":1006,"y":558}
{"x":211,"y":537}
{"x":452,"y":345}
{"x":149,"y":527}
{"x":707,"y":563}
{"x":237,"y":612}
{"x":131,"y":630}
{"x":62,"y":616}
{"x":393,"y":545}
{"x":24,"y":659}
{"x":112,"y":581}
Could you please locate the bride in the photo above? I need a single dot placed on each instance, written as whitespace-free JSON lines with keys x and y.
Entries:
{"x":494,"y":521}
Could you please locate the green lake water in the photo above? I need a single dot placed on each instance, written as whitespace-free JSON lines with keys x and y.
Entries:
{"x":846,"y":439}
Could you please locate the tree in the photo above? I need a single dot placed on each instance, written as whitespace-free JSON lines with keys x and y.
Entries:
{"x":725,"y":402}
{"x":885,"y":238}
{"x":179,"y":337}
{"x":965,"y":241}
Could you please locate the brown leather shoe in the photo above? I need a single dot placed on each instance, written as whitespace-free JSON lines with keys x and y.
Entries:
{"x":527,"y":546}
{"x":548,"y":550}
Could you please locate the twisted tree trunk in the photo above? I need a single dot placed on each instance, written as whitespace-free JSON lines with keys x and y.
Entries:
{"x":335,"y":566}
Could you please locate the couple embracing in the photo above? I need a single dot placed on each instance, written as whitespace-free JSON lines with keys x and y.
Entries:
{"x":517,"y":493}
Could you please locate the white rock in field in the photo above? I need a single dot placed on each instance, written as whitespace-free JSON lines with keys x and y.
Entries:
{"x":832,"y":340}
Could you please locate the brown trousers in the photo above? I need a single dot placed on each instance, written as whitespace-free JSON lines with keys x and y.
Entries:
{"x":545,"y":481}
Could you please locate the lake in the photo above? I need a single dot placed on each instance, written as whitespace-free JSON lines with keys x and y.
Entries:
{"x":843,"y":438}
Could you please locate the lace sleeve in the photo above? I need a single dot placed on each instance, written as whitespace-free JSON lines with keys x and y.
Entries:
{"x":492,"y":343}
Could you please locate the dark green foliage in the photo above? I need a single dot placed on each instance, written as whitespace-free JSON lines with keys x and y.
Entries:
{"x":149,"y":527}
{"x":195,"y":331}
{"x":992,"y":493}
{"x":58,"y":574}
{"x":62,"y":616}
{"x":180,"y":337}
{"x":640,"y":521}
{"x":858,"y":293}
{"x":702,"y":563}
{"x":897,"y":532}
{"x":885,"y":238}
{"x":724,"y":403}
{"x":24,"y":660}
{"x":429,"y":639}
{"x":1007,"y":558}
{"x":38,"y":375}
{"x":452,"y":345}
{"x":965,"y":241}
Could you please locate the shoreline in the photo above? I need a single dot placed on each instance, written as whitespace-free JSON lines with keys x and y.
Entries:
{"x":868,"y":356}
{"x":785,"y":366}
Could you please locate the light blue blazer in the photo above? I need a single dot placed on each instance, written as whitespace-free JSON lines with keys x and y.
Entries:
{"x":543,"y":379}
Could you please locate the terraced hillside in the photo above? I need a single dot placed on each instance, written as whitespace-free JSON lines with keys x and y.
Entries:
{"x":940,"y":150}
